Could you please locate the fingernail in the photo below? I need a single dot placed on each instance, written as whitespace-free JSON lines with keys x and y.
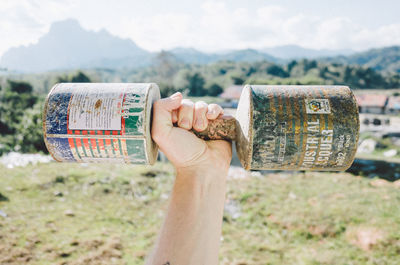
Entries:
{"x":184,"y":122}
{"x":199,"y":123}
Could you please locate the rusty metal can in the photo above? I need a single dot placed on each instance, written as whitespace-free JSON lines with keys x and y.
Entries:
{"x":297,"y":127}
{"x":99,"y":122}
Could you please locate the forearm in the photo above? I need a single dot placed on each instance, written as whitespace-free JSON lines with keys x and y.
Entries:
{"x":192,"y":228}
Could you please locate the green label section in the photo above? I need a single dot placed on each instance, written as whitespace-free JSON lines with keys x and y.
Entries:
{"x":134,"y":125}
{"x":133,"y":112}
{"x":136,"y":151}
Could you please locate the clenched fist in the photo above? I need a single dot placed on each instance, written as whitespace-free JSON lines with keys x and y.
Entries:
{"x":183,"y":148}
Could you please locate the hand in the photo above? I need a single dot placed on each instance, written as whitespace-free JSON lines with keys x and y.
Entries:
{"x":183,"y":148}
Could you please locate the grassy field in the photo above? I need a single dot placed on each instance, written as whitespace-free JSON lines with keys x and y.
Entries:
{"x":110,"y":214}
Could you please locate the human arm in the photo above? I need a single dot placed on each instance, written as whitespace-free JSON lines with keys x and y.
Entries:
{"x":192,"y":228}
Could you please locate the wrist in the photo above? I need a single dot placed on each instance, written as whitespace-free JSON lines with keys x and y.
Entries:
{"x":201,"y":182}
{"x":203,"y":172}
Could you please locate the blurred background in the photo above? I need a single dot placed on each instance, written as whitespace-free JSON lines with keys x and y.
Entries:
{"x":109,"y":214}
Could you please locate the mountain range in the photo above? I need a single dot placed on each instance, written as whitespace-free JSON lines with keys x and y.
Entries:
{"x":385,"y":59}
{"x":68,"y":46}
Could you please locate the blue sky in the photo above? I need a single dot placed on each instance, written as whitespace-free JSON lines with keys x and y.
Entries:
{"x":212,"y":25}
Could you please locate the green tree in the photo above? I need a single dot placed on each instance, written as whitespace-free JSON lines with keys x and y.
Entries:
{"x":195,"y":84}
{"x":15,"y":99}
{"x":276,"y":70}
{"x":29,"y":131}
{"x":237,"y":80}
{"x":79,"y":77}
{"x":214,"y":90}
{"x":291,"y":65}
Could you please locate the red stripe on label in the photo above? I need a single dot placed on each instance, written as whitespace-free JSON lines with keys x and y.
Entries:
{"x":101,"y":143}
{"x":86,"y":142}
{"x":108,"y":141}
{"x":93,"y":141}
{"x":115,"y":143}
{"x":78,"y":141}
{"x":87,"y":146}
{"x":71,"y":143}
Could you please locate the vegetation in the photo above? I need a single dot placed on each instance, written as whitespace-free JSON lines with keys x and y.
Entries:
{"x":21,"y":100}
{"x":20,"y":119}
{"x":21,"y":115}
{"x":66,"y":214}
{"x":200,"y":80}
{"x":172,"y":75}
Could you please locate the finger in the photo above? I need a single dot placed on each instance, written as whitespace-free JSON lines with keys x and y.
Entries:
{"x":214,"y":110}
{"x":185,"y":114}
{"x":200,"y":120}
{"x":174,"y":116}
{"x":162,"y":120}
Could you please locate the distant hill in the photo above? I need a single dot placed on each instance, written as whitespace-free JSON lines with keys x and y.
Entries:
{"x":248,"y":55}
{"x":297,"y":52}
{"x":383,"y":59}
{"x":275,"y":54}
{"x":190,"y":55}
{"x":67,"y":45}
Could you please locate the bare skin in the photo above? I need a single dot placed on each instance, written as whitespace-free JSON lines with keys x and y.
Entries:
{"x":192,"y":228}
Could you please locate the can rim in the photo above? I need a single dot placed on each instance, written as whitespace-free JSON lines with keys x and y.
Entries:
{"x":354,"y":151}
{"x":44,"y":115}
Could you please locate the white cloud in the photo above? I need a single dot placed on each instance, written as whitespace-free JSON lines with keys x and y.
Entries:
{"x":157,"y":32}
{"x":22,"y":22}
{"x":210,"y":26}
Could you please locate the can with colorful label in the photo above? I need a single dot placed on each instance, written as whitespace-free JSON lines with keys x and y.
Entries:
{"x":99,"y":122}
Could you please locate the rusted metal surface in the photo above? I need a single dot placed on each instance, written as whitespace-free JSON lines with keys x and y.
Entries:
{"x":302,"y":127}
{"x":222,"y":128}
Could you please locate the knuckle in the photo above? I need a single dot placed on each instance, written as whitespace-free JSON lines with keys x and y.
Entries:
{"x":201,"y":106}
{"x":214,"y":106}
{"x":187,"y":103}
{"x":214,"y":109}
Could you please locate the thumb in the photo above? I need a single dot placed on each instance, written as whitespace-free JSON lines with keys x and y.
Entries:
{"x":162,"y":115}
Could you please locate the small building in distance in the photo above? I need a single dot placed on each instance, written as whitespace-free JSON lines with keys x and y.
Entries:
{"x":231,"y":96}
{"x":372,"y":103}
{"x":393,"y":105}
